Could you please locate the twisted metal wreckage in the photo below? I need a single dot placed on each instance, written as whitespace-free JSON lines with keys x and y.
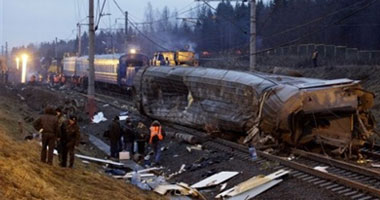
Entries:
{"x":257,"y":106}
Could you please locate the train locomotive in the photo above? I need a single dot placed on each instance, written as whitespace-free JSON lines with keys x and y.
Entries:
{"x":111,"y":70}
{"x":259,"y":107}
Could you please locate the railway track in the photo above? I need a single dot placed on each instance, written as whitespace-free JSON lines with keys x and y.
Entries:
{"x":371,"y":151}
{"x":343,"y":178}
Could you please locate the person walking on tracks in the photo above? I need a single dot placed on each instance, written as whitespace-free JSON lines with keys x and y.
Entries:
{"x":47,"y":124}
{"x":156,"y":136}
{"x":73,"y":140}
{"x":314,"y":58}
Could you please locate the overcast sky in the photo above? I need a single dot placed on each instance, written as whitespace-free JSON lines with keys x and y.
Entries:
{"x":33,"y":21}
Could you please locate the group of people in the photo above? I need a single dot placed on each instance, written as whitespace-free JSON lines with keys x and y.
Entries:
{"x":134,"y":139}
{"x":59,"y":132}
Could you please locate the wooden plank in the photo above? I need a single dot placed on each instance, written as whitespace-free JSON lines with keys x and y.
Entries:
{"x":255,"y":191}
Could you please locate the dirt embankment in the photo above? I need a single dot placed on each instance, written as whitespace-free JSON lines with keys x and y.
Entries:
{"x":23,"y":176}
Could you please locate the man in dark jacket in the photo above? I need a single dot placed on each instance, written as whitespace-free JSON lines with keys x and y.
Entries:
{"x":47,"y":124}
{"x":129,"y":136}
{"x":115,"y":136}
{"x":73,"y":139}
{"x":142,"y":136}
{"x":61,"y":145}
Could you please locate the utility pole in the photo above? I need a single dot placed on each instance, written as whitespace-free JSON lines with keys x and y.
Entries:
{"x":91,"y":106}
{"x":6,"y":54}
{"x":252,"y":38}
{"x":126,"y":31}
{"x":55,"y":49}
{"x":79,"y":39}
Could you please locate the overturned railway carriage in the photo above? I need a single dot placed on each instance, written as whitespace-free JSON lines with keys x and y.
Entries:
{"x":256,"y":105}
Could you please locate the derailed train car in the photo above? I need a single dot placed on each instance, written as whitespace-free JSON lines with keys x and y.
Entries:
{"x":256,"y":105}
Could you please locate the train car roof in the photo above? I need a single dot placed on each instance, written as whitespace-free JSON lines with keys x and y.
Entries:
{"x":136,"y":55}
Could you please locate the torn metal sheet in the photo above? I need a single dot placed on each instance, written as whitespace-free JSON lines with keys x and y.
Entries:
{"x":321,"y":168}
{"x":215,"y":179}
{"x":252,"y":183}
{"x":98,"y":160}
{"x":130,"y":175}
{"x":295,"y":110}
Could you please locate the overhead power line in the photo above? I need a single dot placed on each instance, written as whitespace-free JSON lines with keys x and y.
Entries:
{"x":337,"y":22}
{"x":314,"y":20}
{"x":226,"y":18}
{"x":138,"y":30}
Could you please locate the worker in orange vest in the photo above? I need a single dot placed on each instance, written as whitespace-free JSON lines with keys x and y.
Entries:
{"x":156,"y":136}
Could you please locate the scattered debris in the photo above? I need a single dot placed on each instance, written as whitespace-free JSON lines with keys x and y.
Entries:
{"x":321,"y":168}
{"x":143,"y":173}
{"x":99,"y":118}
{"x":85,"y":162}
{"x":291,"y":157}
{"x":180,"y":171}
{"x":124,"y":113}
{"x":98,"y":160}
{"x":136,"y":180}
{"x":223,"y":186}
{"x":122,"y":118}
{"x":215,"y":179}
{"x":106,"y":105}
{"x":21,"y":97}
{"x":253,"y":186}
{"x":117,"y":172}
{"x":195,"y":147}
{"x":375,"y":165}
{"x":179,"y":189}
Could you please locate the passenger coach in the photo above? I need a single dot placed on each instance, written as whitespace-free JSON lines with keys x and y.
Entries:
{"x":115,"y":70}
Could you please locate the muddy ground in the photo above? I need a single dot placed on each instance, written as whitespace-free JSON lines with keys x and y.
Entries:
{"x":175,"y":155}
{"x":23,"y":176}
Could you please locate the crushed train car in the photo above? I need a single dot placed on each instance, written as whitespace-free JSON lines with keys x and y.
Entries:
{"x":290,"y":109}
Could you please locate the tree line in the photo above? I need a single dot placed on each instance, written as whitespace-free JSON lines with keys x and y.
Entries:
{"x":225,"y":28}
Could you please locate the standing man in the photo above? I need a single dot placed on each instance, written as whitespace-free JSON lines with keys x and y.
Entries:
{"x":156,"y":136}
{"x":62,"y":138}
{"x":314,"y":57}
{"x":115,"y":136}
{"x":47,"y":124}
{"x":73,"y":140}
{"x":141,"y":138}
{"x":129,"y":136}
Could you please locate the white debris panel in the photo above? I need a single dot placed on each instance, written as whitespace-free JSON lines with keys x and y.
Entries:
{"x":294,"y":110}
